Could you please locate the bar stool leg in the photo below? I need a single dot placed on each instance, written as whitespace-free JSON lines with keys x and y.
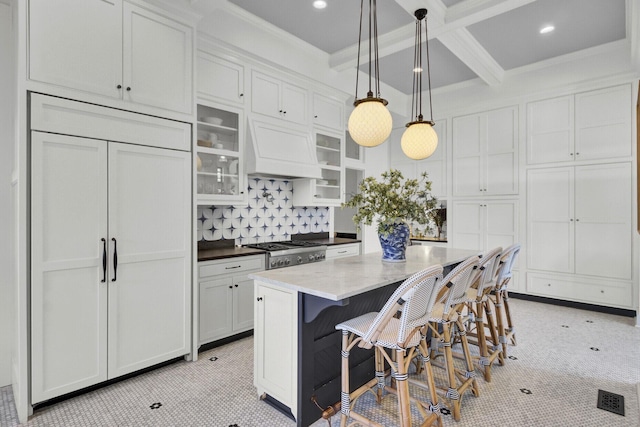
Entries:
{"x":402,"y":384}
{"x":344,"y":395}
{"x":452,"y":392}
{"x":502,"y":337}
{"x":485,"y":363}
{"x":510,"y":328}
{"x":470,"y":373}
{"x":434,"y":404}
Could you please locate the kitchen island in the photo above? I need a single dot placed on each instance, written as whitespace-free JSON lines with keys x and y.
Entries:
{"x":296,"y":347}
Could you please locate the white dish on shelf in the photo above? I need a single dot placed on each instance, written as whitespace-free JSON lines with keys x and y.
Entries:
{"x":322,"y":182}
{"x":218,"y":145}
{"x":212,"y":120}
{"x":323,"y":162}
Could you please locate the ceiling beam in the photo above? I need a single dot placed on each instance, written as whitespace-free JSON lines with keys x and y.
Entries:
{"x":463,"y":45}
{"x":448,"y":26}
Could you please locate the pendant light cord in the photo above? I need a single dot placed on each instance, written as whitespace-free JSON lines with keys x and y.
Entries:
{"x":359,"y":41}
{"x":426,"y":35}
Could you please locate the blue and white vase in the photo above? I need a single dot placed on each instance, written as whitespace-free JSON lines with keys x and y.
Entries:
{"x":394,"y":244}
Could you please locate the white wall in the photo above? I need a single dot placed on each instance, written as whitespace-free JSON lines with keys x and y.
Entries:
{"x":7,"y":106}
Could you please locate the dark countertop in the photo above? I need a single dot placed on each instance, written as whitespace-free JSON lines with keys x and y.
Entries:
{"x":221,"y":249}
{"x":335,"y":241}
{"x":221,"y":253}
{"x":428,"y":239}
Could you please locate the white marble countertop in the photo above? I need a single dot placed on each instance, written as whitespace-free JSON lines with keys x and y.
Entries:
{"x":337,"y":279}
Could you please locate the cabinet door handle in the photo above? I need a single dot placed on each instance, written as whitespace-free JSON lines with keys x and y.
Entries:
{"x":104,"y":260}
{"x":259,"y":299}
{"x":342,"y":252}
{"x":115,"y":259}
{"x":231,"y":268}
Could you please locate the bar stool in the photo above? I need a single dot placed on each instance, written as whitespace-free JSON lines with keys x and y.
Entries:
{"x":446,"y":313}
{"x":384,"y":331}
{"x":500,"y":298}
{"x":478,"y":307}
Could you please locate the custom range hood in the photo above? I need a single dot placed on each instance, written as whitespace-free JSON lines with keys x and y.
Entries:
{"x":274,"y":150}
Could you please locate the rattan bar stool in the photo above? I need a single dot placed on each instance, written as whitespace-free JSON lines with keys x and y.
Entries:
{"x":500,"y":298}
{"x":479,"y":316}
{"x":387,"y":333}
{"x":446,"y":313}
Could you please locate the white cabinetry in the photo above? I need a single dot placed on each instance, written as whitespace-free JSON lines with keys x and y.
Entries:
{"x":275,"y":343}
{"x":586,"y":126}
{"x":219,"y":79}
{"x":579,"y":220}
{"x":484,"y":224}
{"x":110,"y":260}
{"x":328,"y":112}
{"x":220,"y":176}
{"x":435,"y":165}
{"x":273,"y":97}
{"x":114,"y":49}
{"x":342,"y":251}
{"x":226,"y":296}
{"x":328,"y":190}
{"x":485,"y":153}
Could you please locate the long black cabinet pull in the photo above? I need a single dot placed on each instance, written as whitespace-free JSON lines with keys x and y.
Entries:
{"x":115,"y":259}
{"x":104,"y":260}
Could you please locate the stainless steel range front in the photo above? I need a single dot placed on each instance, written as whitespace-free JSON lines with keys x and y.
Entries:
{"x":290,"y":253}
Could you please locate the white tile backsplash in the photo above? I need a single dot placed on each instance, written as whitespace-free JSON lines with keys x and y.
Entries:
{"x":269,"y":216}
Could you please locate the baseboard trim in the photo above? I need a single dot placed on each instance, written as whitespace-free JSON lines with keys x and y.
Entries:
{"x":223,"y":341}
{"x":581,"y":305}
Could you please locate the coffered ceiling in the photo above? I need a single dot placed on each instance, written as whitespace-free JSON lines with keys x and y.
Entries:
{"x":469,"y":39}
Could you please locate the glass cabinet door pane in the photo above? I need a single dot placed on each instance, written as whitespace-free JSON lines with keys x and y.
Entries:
{"x":217,"y":174}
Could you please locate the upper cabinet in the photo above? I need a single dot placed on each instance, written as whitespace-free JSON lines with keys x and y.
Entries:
{"x":586,"y":126}
{"x":485,"y":153}
{"x":328,"y":112}
{"x":273,"y":97}
{"x":329,"y":189}
{"x":114,"y":49}
{"x":219,"y":79}
{"x":220,"y":178}
{"x":435,"y":165}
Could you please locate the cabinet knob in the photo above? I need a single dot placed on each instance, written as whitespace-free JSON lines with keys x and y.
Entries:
{"x":577,"y":219}
{"x":571,"y":154}
{"x":577,"y":153}
{"x":571,"y":219}
{"x":128,"y":88}
{"x":315,"y":117}
{"x":280,"y":111}
{"x":236,"y":286}
{"x":548,"y":284}
{"x":284,"y":112}
{"x":241,"y":95}
{"x":230,"y":287}
{"x":259,"y":298}
{"x":119,"y":87}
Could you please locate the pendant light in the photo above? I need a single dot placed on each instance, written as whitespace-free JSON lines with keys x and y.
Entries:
{"x":420,"y":140}
{"x":370,"y":122}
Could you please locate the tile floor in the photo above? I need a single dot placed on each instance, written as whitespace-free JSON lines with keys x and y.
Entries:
{"x":563,"y":357}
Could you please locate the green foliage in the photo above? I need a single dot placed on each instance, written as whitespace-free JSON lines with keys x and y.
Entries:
{"x":392,"y":200}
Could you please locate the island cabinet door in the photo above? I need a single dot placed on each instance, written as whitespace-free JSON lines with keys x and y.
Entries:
{"x":275,"y":343}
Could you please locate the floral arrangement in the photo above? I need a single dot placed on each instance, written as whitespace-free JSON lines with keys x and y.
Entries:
{"x":392,"y":201}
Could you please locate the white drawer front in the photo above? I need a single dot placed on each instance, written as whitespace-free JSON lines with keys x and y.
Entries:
{"x":230,"y":266}
{"x":341,"y":251}
{"x":607,"y":294}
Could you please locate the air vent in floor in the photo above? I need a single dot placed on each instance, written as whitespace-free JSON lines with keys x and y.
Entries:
{"x":611,"y":402}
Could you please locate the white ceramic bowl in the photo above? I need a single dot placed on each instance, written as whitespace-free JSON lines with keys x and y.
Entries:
{"x":212,"y":120}
{"x":322,"y":182}
{"x":323,"y":162}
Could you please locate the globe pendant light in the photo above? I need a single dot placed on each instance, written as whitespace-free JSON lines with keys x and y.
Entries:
{"x":419,"y":140}
{"x":370,"y":122}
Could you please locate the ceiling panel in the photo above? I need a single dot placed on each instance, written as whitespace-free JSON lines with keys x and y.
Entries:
{"x":513,"y":38}
{"x":446,"y":68}
{"x":329,"y":29}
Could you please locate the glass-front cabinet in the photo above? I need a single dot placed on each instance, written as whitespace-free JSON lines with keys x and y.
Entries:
{"x":327,"y":190}
{"x":219,"y":162}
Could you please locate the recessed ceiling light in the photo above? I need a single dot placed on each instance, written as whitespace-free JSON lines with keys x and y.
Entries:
{"x":547,"y":29}
{"x":319,"y":4}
